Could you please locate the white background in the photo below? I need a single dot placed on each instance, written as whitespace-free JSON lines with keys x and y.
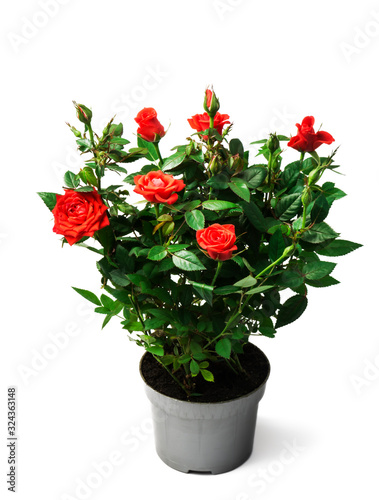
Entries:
{"x":83,"y":404}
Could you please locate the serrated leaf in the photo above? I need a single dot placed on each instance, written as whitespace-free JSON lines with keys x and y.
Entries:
{"x":227,"y":289}
{"x":288,"y":206}
{"x":88,"y":295}
{"x":291,"y":310}
{"x":259,"y":289}
{"x":254,"y":215}
{"x":71,"y":180}
{"x":107,"y":302}
{"x":157,"y":350}
{"x":224,"y":348}
{"x":216,"y":205}
{"x":338,"y":247}
{"x":207,"y":375}
{"x":254,"y":176}
{"x":318,"y":269}
{"x":187,"y":261}
{"x":204,"y":291}
{"x":318,"y":233}
{"x":194,"y":367}
{"x":323,"y":282}
{"x":157,"y":253}
{"x":49,"y":199}
{"x":195,"y":219}
{"x":320,"y":209}
{"x":240,"y":188}
{"x":247,"y":282}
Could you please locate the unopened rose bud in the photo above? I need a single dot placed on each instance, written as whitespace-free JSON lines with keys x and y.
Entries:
{"x":273,"y":143}
{"x":83,"y":113}
{"x":213,"y":165}
{"x":306,"y":197}
{"x":211,"y":103}
{"x":315,"y":175}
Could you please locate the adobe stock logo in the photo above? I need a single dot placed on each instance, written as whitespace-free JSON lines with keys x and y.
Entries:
{"x":362,"y":37}
{"x":30,"y":27}
{"x":368,"y":375}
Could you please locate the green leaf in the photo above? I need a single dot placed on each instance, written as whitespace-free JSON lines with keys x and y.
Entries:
{"x":320,"y":209}
{"x":195,"y":219}
{"x":338,"y":247}
{"x":240,"y":188}
{"x":151,"y":153}
{"x":187,"y":261}
{"x":226,"y":290}
{"x":176,"y":248}
{"x":323,"y":282}
{"x":247,"y":282}
{"x":288,"y":206}
{"x":204,"y":291}
{"x":157,"y":253}
{"x":174,"y":160}
{"x":224,"y":348}
{"x":118,"y":277}
{"x":318,"y":233}
{"x":207,"y":375}
{"x":291,"y":310}
{"x":88,"y":295}
{"x":71,"y":180}
{"x":276,"y":246}
{"x":50,"y":199}
{"x":318,"y":269}
{"x":254,"y":215}
{"x":236,"y":148}
{"x":218,"y":205}
{"x":119,"y":140}
{"x":107,"y":302}
{"x":254,"y":176}
{"x":194,"y":367}
{"x":292,"y":278}
{"x":259,"y":289}
{"x":219,"y":181}
{"x":157,"y":350}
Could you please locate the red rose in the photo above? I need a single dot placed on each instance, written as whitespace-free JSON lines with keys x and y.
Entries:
{"x":307,"y":139}
{"x":201,"y":122}
{"x":149,"y":128}
{"x":209,"y":95}
{"x":158,"y":187}
{"x":218,"y":240}
{"x":79,"y":214}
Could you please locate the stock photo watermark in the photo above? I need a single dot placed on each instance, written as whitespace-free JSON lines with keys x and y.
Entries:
{"x":368,"y":375}
{"x":263,"y":477}
{"x":279,"y":122}
{"x":40,"y":359}
{"x":125,"y":106}
{"x":361,"y":37}
{"x":102,"y":470}
{"x":225,"y":7}
{"x":32,"y":25}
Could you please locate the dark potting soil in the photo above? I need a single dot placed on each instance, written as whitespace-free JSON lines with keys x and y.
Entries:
{"x":227,"y":384}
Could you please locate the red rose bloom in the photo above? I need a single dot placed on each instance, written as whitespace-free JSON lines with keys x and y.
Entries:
{"x":307,"y":139}
{"x":158,"y":187}
{"x":79,"y":214}
{"x":218,"y":240}
{"x":201,"y":122}
{"x":149,"y":128}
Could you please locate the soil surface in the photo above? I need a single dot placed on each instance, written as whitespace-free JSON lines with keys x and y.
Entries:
{"x":227,"y":385}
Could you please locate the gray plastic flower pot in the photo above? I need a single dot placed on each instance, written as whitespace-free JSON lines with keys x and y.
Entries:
{"x":204,"y":437}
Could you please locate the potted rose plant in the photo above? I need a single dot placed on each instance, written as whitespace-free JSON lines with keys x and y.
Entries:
{"x":200,"y":267}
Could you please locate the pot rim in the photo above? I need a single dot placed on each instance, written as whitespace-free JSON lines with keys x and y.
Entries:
{"x":213,"y":402}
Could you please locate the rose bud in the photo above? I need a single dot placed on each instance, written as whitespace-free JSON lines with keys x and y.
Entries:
{"x":273,"y":143}
{"x":211,"y":103}
{"x":150,"y":129}
{"x":83,"y":113}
